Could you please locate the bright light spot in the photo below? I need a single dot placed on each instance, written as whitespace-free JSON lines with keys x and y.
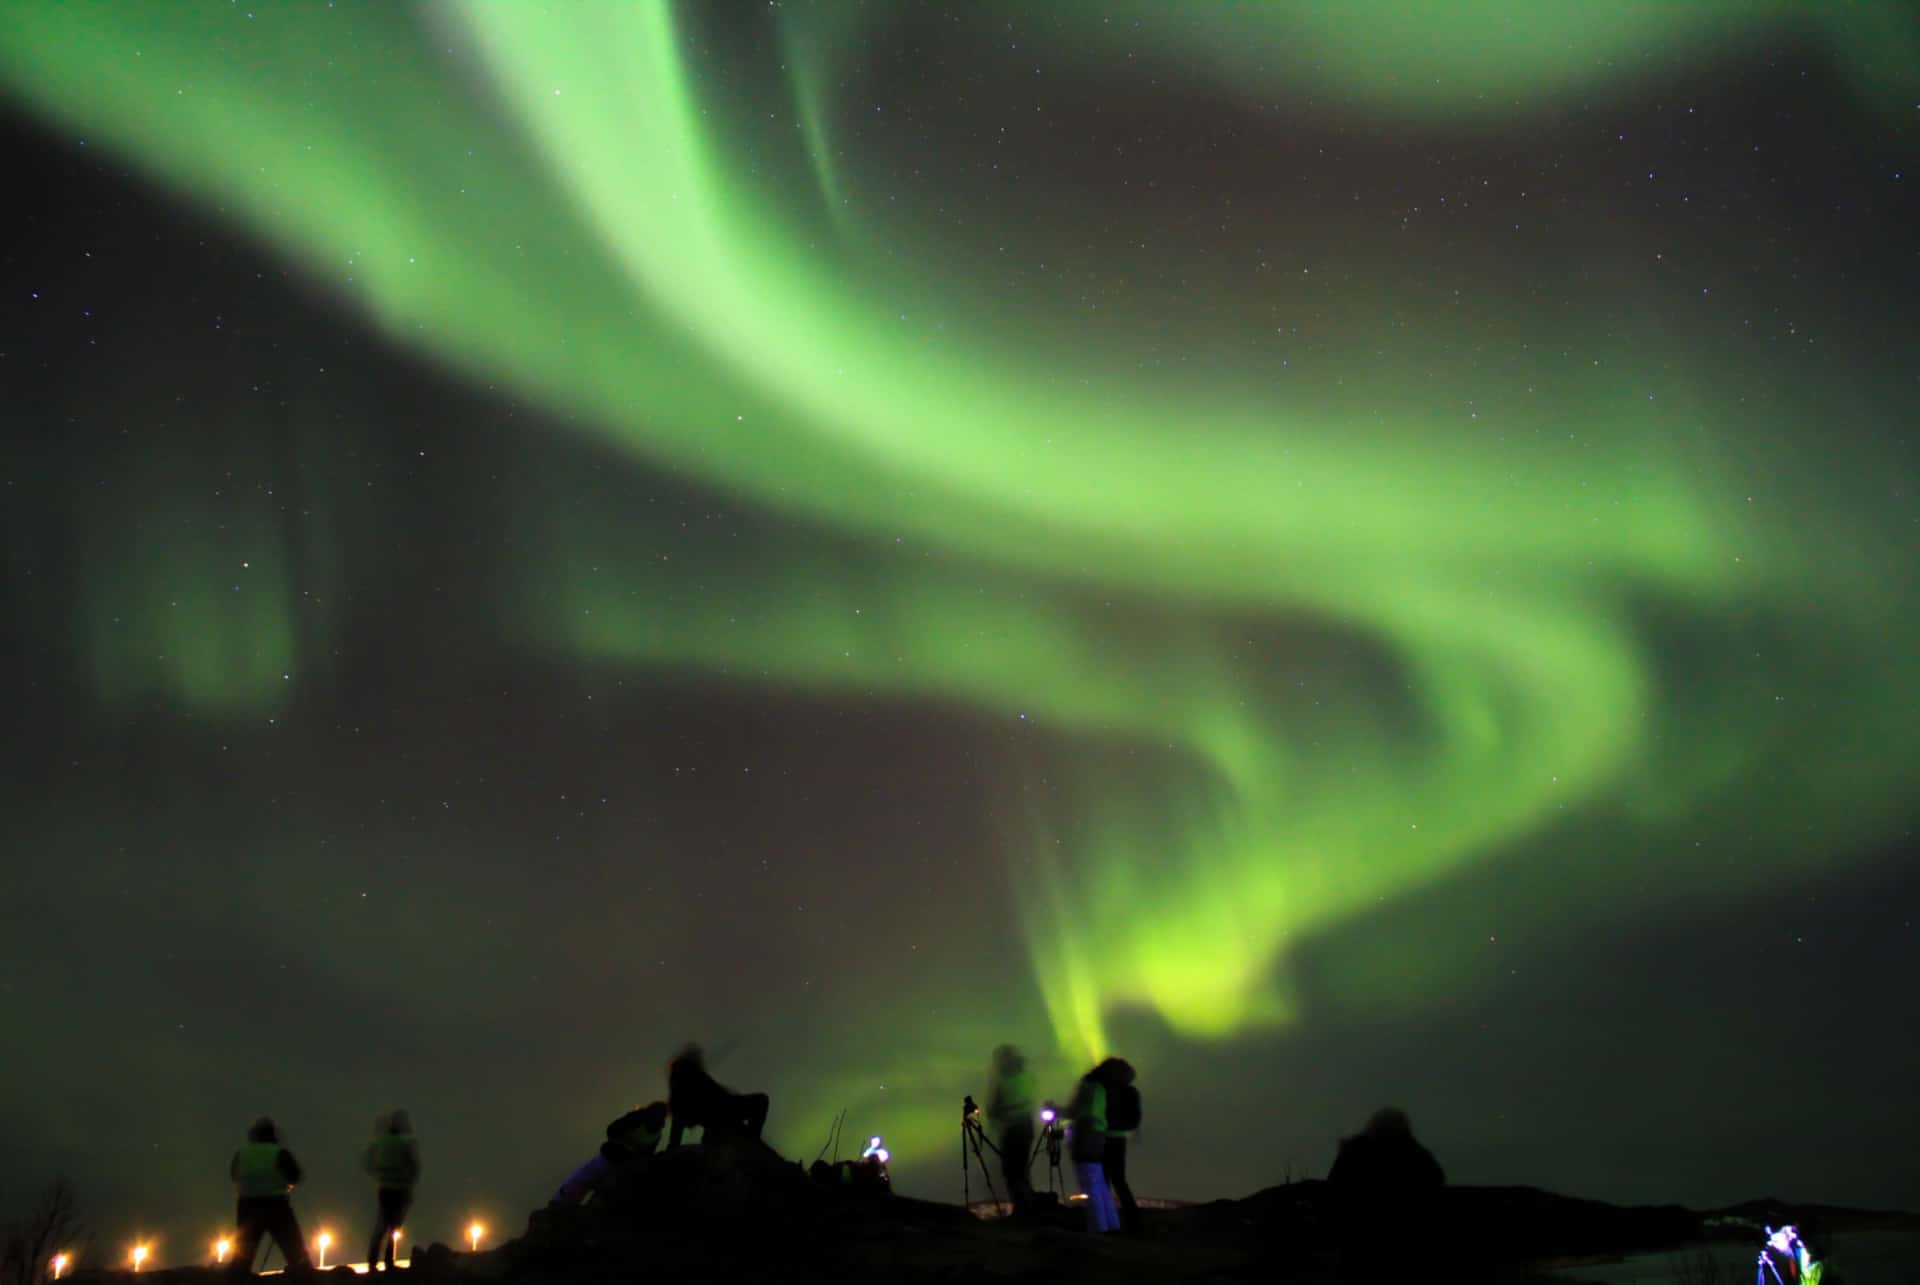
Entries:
{"x":139,"y":1256}
{"x":60,"y":1262}
{"x":475,"y":1231}
{"x":221,"y":1248}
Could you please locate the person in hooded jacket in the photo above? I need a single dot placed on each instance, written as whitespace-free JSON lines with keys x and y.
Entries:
{"x":695,"y":1100}
{"x":393,"y":1160}
{"x":1123,"y":1117}
{"x":264,"y":1174}
{"x":1385,"y":1188}
{"x":1087,"y":1139}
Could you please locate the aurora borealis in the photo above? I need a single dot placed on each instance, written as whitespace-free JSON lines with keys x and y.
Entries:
{"x":1231,"y":516}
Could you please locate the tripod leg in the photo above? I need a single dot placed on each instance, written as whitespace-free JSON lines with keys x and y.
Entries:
{"x":984,"y":1173}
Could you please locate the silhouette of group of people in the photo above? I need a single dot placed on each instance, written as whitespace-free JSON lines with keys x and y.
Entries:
{"x":1105,"y":1106}
{"x":695,"y":1100}
{"x":1382,"y":1187}
{"x":264,"y":1174}
{"x":1104,"y":1112}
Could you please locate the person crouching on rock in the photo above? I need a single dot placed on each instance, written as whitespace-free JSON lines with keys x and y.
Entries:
{"x":698,"y":1101}
{"x":264,"y":1173}
{"x":1087,"y":1137}
{"x":582,"y":1182}
{"x":635,"y":1135}
{"x":393,"y":1161}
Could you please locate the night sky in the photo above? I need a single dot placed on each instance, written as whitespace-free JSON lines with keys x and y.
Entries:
{"x":1343,"y":557}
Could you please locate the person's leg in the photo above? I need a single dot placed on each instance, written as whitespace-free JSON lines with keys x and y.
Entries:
{"x":393,"y":1212}
{"x":397,"y":1222}
{"x":1093,"y":1184}
{"x":1128,"y":1212}
{"x":1016,"y":1155}
{"x":285,"y":1230}
{"x":581,"y":1182}
{"x":247,"y":1226}
{"x":375,"y":1242}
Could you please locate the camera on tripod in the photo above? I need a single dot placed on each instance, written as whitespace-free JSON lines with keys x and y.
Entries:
{"x":1052,"y":1131}
{"x":972,"y":1134}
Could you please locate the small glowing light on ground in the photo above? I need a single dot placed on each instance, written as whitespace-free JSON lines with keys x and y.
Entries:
{"x":221,"y":1248}
{"x":367,"y":1269}
{"x":475,"y":1231}
{"x":320,"y":1243}
{"x":60,"y":1262}
{"x":139,"y":1256}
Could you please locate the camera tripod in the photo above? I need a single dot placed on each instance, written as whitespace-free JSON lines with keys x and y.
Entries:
{"x":1049,"y":1141}
{"x":972,"y":1134}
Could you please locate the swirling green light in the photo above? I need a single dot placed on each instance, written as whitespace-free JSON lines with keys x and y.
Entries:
{"x":551,"y":205}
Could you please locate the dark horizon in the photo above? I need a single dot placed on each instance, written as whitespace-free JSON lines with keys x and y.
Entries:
{"x":1345,"y":589}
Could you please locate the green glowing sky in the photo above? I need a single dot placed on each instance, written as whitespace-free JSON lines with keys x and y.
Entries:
{"x":1310,"y":463}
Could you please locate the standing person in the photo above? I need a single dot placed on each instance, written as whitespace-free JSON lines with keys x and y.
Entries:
{"x":1088,"y":1139}
{"x":1123,"y":1117}
{"x":1010,"y":1114}
{"x":393,"y":1159}
{"x":696,"y":1100}
{"x":1385,"y":1187}
{"x":263,"y":1173}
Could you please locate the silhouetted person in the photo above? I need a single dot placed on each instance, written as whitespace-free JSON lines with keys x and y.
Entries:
{"x":1123,"y":1117}
{"x":393,"y":1160}
{"x":263,"y":1174}
{"x":635,"y":1135}
{"x":1385,"y":1186}
{"x":584,"y":1181}
{"x":698,"y":1101}
{"x":1088,"y":1140}
{"x":1010,"y":1103}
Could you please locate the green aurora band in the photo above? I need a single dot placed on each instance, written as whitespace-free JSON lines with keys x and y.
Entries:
{"x":560,"y":208}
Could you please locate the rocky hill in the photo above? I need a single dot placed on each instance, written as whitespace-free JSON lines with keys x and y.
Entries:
{"x":742,"y":1213}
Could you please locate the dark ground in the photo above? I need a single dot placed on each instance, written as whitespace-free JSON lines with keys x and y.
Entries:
{"x":742,"y":1213}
